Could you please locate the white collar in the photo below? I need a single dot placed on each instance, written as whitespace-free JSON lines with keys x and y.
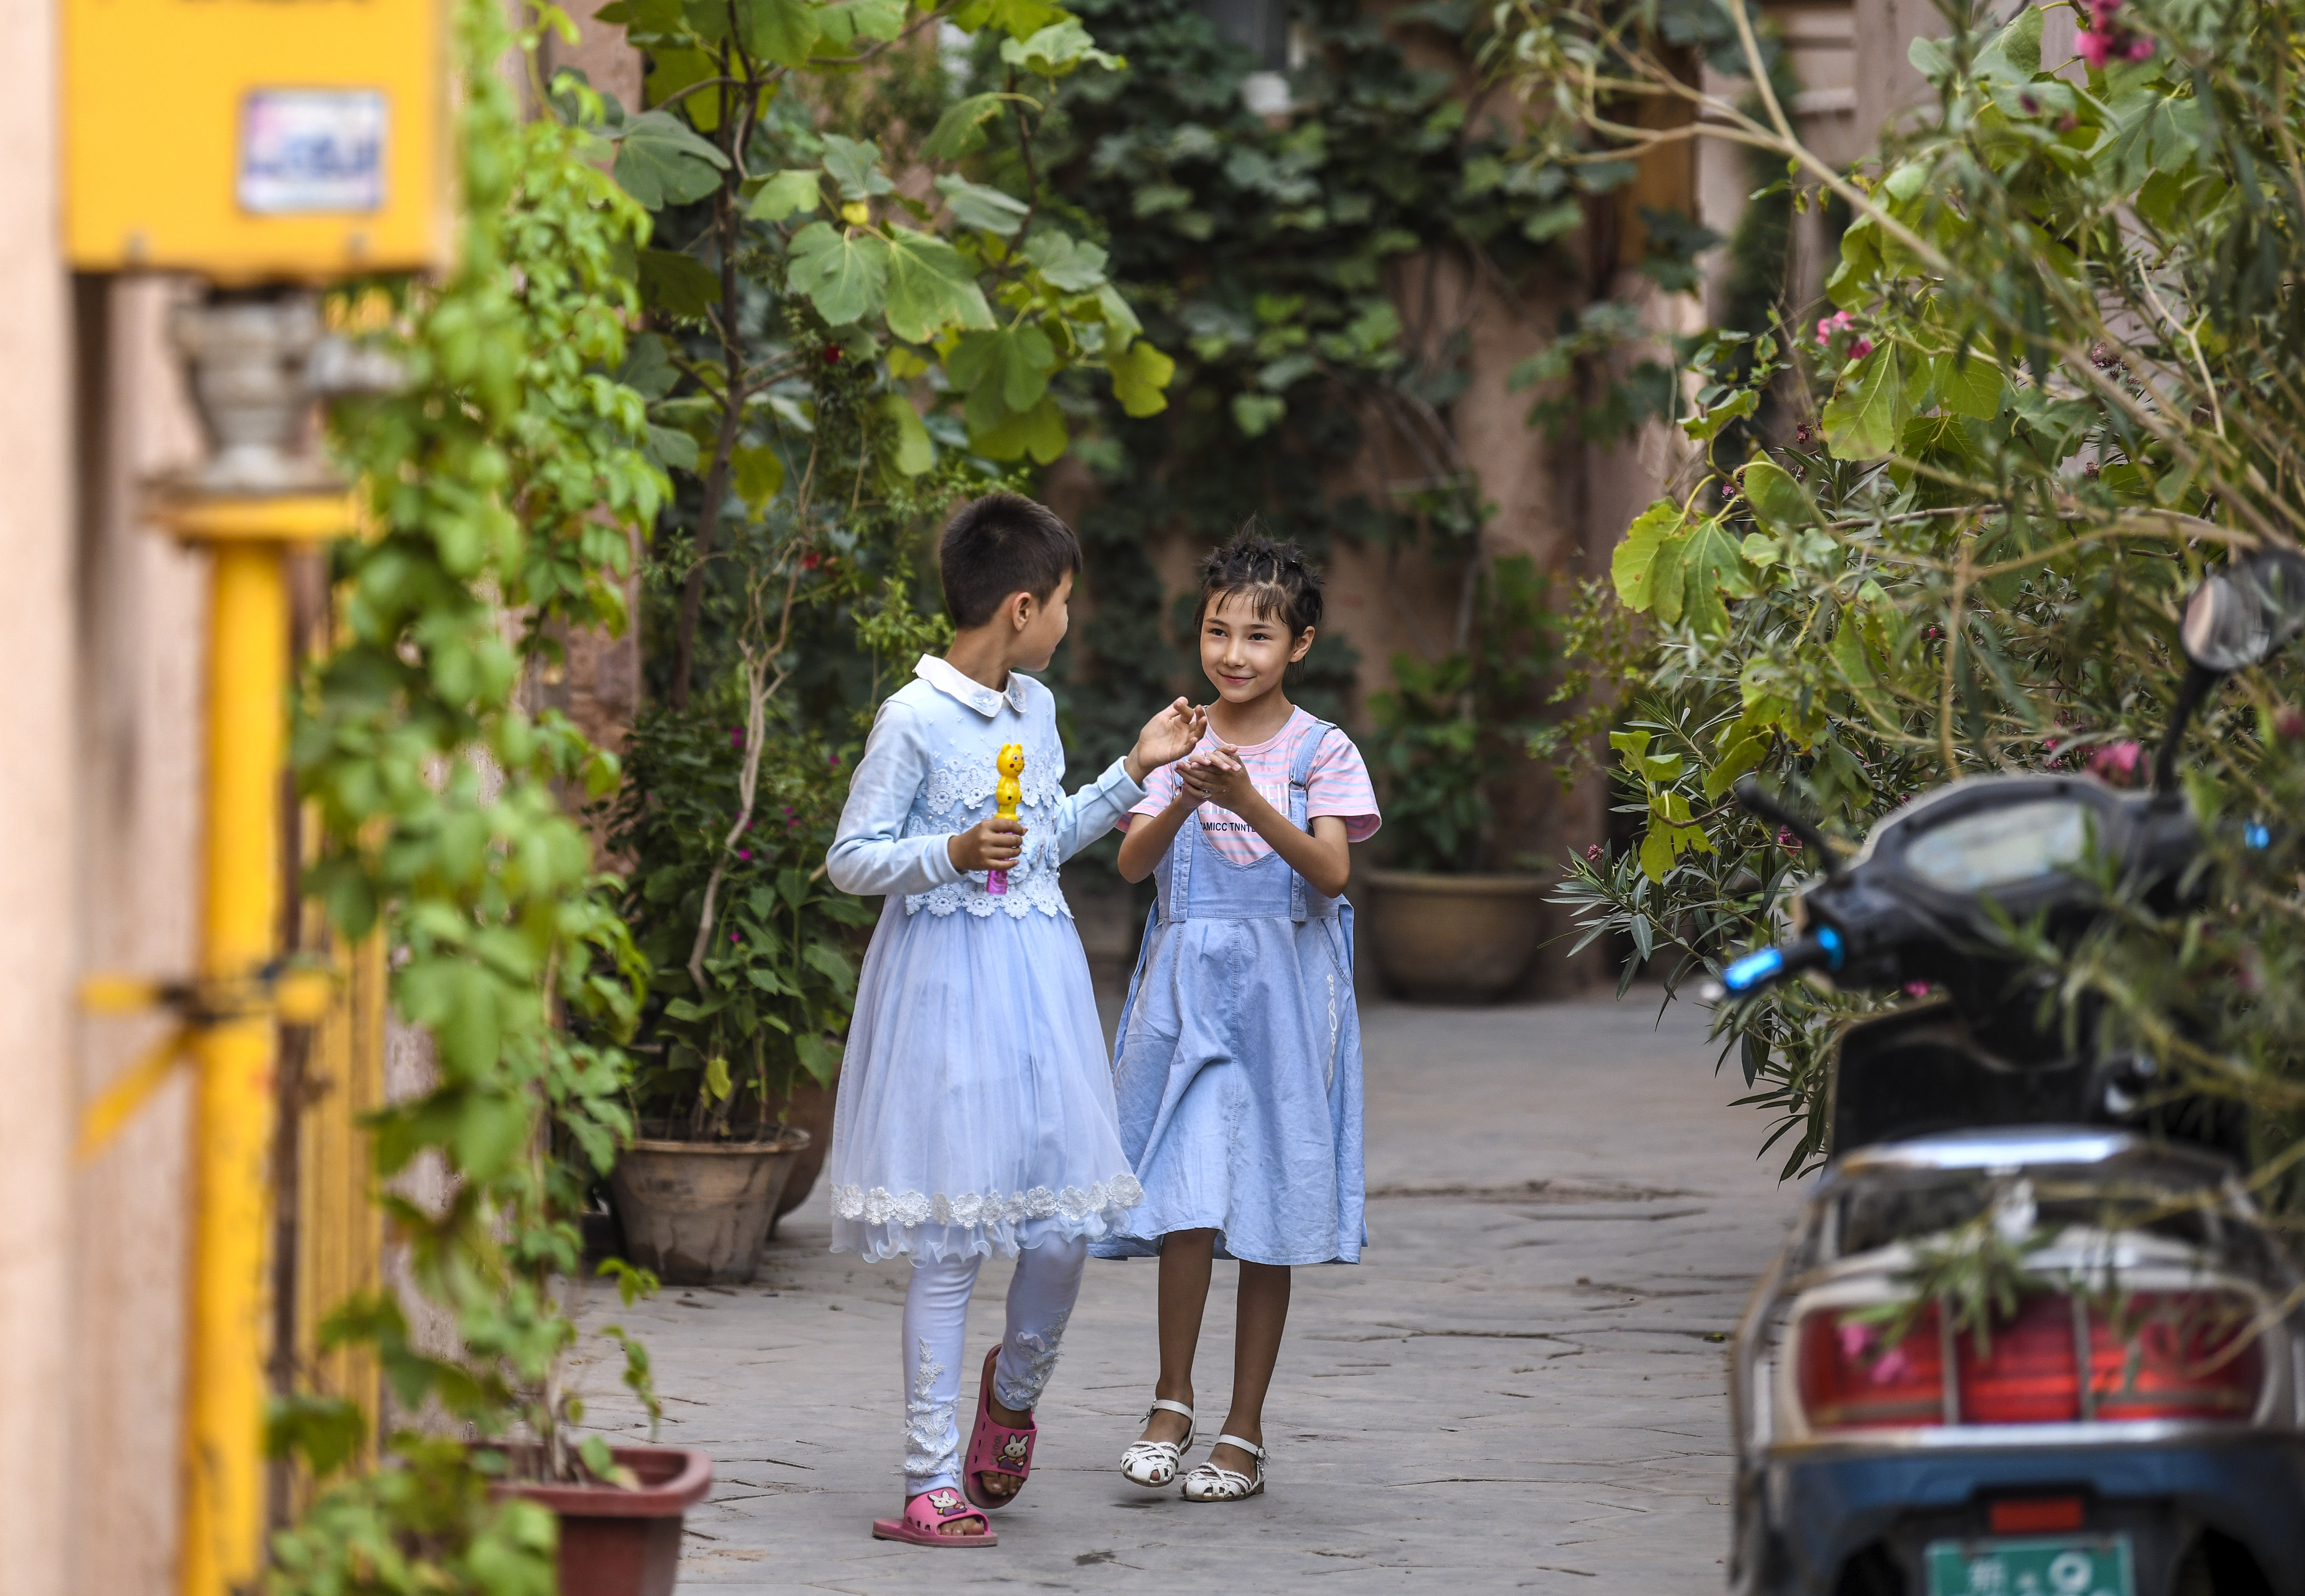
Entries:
{"x":947,"y":678}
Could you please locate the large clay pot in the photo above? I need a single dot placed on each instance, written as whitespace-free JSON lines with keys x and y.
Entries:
{"x":696,"y":1212}
{"x":620,"y":1542}
{"x":1454,"y":939}
{"x":809,"y":1108}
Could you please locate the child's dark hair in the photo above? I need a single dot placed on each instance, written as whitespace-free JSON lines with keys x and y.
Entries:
{"x":1276,"y":576}
{"x":1001,"y":544}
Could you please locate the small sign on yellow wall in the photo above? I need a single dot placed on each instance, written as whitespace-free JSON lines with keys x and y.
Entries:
{"x":255,"y":139}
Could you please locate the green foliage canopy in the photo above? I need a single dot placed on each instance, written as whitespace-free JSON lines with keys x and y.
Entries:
{"x":2054,"y":383}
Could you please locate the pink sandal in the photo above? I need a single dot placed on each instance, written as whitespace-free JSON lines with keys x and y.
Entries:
{"x":994,"y":1448}
{"x":925,"y":1516}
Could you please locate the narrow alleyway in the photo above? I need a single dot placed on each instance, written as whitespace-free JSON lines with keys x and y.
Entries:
{"x":1520,"y":1388}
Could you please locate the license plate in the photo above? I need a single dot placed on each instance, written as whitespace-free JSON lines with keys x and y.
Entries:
{"x":2052,"y":1565}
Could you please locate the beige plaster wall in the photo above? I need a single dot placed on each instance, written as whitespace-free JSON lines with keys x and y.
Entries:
{"x":142,"y":604}
{"x":599,"y":53}
{"x":36,"y":818}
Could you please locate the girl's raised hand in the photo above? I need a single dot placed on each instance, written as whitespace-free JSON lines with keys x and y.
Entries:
{"x":1167,"y":736}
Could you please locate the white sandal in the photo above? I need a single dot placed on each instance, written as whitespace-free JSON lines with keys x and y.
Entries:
{"x":1153,"y":1464}
{"x":1213,"y":1483}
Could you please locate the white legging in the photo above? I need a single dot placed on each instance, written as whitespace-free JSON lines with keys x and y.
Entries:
{"x":936,"y":1349}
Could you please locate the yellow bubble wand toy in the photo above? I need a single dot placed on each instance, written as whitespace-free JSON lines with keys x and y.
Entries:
{"x":1007,"y":793}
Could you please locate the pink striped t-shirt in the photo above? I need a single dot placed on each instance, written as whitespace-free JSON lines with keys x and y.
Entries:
{"x":1338,"y":785}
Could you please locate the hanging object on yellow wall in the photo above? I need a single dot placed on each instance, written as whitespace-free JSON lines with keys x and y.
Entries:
{"x":255,"y":140}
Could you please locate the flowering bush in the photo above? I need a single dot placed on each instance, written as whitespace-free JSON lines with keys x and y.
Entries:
{"x":778,"y":965}
{"x":2068,"y":342}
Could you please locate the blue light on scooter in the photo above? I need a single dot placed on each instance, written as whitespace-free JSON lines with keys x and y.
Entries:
{"x":1829,"y":939}
{"x":2256,"y":836}
{"x":1756,"y":967}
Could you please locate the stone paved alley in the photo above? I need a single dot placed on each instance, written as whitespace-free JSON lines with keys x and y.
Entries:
{"x":1520,"y":1388}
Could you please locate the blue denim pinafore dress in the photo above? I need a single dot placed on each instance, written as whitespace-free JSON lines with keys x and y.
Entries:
{"x":1238,"y":1070}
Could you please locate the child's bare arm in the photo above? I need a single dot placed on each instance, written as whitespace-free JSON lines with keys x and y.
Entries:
{"x":1322,"y":855}
{"x":1148,"y":837}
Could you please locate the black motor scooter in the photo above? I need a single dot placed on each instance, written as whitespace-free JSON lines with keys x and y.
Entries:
{"x":2138,"y":1427}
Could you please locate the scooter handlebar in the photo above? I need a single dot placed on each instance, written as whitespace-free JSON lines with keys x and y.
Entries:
{"x":1821,"y":949}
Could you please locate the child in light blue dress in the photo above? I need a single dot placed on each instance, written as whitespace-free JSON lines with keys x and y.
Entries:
{"x":1238,"y":1064}
{"x":975,"y":1110}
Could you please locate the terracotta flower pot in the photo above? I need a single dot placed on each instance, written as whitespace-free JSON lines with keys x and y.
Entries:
{"x":618,"y":1542}
{"x":696,"y":1212}
{"x":808,"y":1107}
{"x":1454,"y":939}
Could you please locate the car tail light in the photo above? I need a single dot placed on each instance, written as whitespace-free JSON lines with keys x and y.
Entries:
{"x":2176,"y":1355}
{"x":1850,"y":1380}
{"x":2153,"y":1355}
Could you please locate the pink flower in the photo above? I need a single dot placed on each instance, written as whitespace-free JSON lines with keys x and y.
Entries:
{"x":1856,"y":1339}
{"x":2288,"y":723}
{"x":836,"y":761}
{"x":1891,"y":1366}
{"x":1787,"y":840}
{"x":732,"y":935}
{"x":1917,"y":988}
{"x":2117,"y":762}
{"x":1859,"y":347}
{"x":1593,"y":850}
{"x":736,"y":738}
{"x":2103,"y":39}
{"x":746,"y":854}
{"x":1841,"y":321}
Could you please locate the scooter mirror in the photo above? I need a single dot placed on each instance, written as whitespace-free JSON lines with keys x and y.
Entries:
{"x":2239,"y":615}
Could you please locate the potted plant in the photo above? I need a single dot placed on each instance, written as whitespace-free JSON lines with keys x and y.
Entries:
{"x":1450,"y":920}
{"x":727,"y":826}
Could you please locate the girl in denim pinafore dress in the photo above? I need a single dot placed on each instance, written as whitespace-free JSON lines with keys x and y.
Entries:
{"x":1238,"y":1068}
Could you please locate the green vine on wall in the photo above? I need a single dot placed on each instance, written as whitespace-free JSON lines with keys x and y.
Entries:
{"x":504,"y":480}
{"x":1297,"y":267}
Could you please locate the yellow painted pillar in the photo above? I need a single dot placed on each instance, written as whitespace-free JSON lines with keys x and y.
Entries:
{"x":235,"y":1101}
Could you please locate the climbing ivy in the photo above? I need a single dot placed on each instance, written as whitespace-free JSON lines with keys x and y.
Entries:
{"x":504,"y":480}
{"x":1280,"y":259}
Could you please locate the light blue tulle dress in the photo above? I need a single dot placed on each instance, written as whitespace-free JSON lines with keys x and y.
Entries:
{"x":975,"y":1111}
{"x":1239,"y":1063}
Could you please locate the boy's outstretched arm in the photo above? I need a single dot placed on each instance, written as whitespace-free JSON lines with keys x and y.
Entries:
{"x":1089,"y":813}
{"x":1167,"y":737}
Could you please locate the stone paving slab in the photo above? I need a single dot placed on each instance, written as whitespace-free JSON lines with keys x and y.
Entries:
{"x":1521,"y":1388}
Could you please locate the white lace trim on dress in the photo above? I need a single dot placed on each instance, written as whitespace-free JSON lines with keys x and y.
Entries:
{"x":880,"y":1206}
{"x":1027,"y":890}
